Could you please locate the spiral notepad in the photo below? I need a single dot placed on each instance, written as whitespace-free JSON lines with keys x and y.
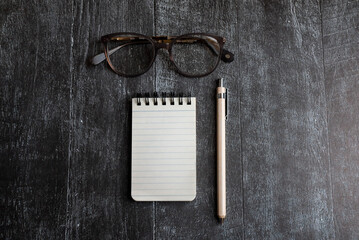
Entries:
{"x":163,"y":148}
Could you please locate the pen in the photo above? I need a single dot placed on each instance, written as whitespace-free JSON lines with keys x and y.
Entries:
{"x":221,"y":149}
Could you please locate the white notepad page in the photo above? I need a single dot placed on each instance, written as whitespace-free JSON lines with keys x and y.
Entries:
{"x":163,"y":150}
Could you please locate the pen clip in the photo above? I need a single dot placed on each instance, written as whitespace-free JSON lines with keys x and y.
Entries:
{"x":226,"y":113}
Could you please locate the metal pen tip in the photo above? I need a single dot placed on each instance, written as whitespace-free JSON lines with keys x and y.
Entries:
{"x":220,"y":82}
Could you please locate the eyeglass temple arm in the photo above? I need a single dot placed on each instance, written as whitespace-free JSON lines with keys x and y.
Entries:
{"x":226,"y":55}
{"x":99,"y":58}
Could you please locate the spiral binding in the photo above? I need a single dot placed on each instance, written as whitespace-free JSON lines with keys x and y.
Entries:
{"x":147,"y":96}
{"x":163,"y":99}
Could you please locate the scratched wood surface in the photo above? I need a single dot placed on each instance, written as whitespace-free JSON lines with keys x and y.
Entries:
{"x":292,"y":133}
{"x":341,"y":65}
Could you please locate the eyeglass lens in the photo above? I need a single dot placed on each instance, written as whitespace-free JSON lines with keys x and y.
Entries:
{"x":130,"y":55}
{"x":195,"y":55}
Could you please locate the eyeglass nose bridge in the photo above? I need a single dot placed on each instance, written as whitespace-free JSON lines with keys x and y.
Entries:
{"x":165,"y":45}
{"x":159,"y":45}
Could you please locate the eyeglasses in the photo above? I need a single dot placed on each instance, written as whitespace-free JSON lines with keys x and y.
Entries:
{"x":193,"y":55}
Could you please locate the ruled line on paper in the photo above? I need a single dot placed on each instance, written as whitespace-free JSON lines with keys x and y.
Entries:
{"x":166,"y":140}
{"x":161,"y":170}
{"x":146,"y":117}
{"x":164,"y":189}
{"x":164,"y":146}
{"x":160,"y":122}
{"x":158,"y":177}
{"x":184,"y":110}
{"x":162,"y":195}
{"x":156,"y":158}
{"x":159,"y":152}
{"x":163,"y":164}
{"x":141,"y":129}
{"x":163,"y":183}
{"x":141,"y":163}
{"x":170,"y":134}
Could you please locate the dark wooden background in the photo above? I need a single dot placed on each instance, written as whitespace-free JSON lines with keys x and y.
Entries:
{"x":292,"y":134}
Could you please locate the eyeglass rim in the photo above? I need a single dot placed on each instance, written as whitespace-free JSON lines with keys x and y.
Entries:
{"x":106,"y":38}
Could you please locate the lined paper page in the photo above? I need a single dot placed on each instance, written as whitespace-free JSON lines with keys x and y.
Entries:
{"x":163,"y":150}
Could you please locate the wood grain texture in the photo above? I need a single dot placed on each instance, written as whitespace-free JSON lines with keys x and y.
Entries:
{"x":286,"y":187}
{"x":99,"y":200}
{"x":292,"y":132}
{"x":34,"y":106}
{"x":341,"y":51}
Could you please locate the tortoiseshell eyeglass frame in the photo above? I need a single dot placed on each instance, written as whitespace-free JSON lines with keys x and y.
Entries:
{"x":165,"y":42}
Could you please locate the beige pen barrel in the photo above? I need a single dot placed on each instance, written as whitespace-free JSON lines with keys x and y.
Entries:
{"x":221,"y":153}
